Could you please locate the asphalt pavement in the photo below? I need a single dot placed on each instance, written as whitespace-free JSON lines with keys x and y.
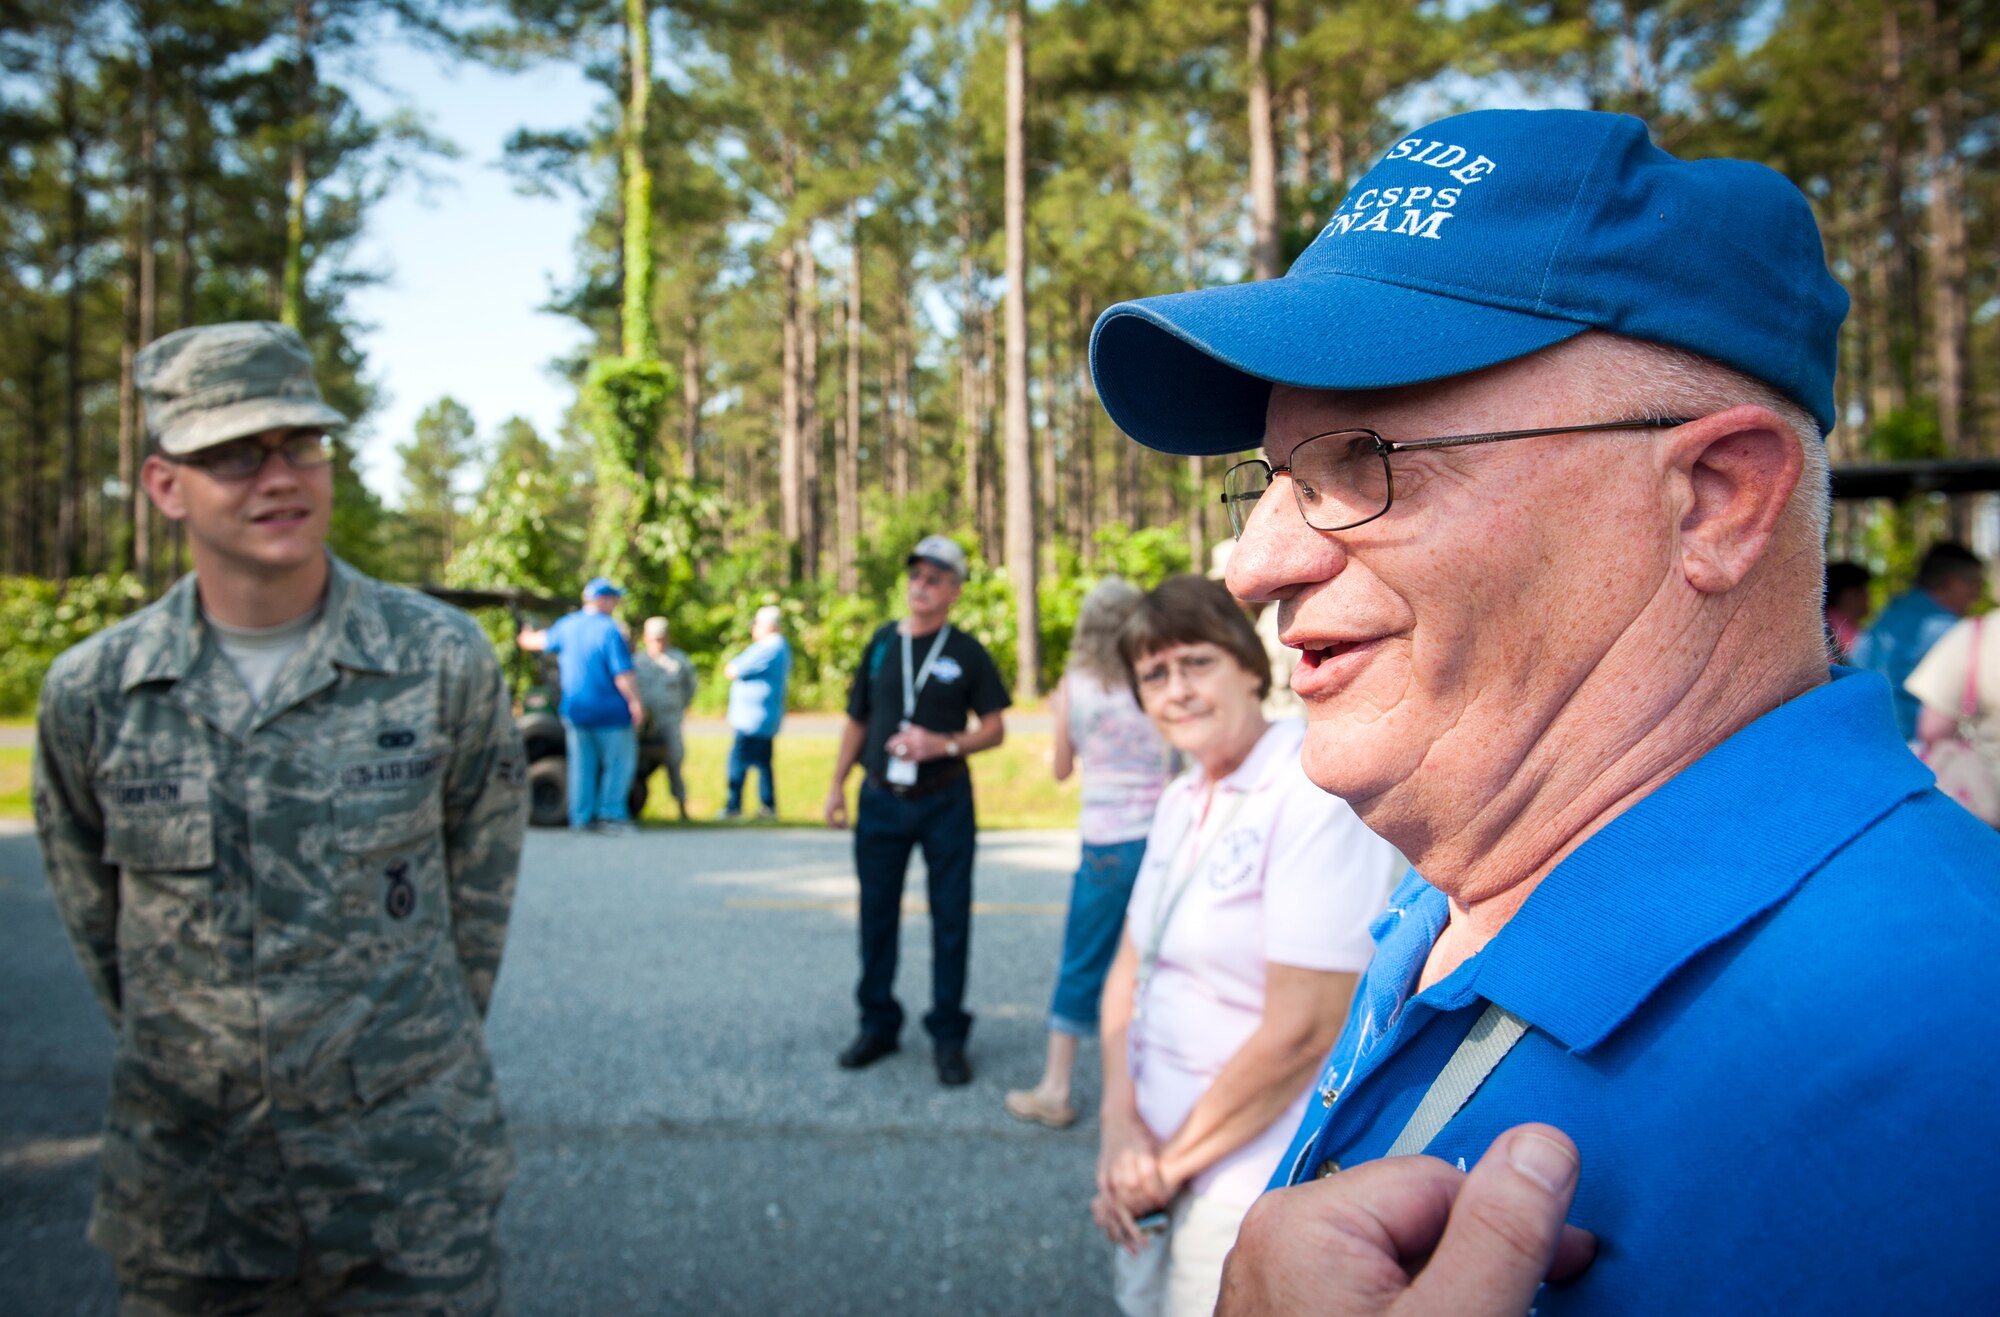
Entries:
{"x":664,"y":1030}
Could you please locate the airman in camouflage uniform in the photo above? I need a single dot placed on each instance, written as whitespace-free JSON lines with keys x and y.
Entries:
{"x":292,"y":908}
{"x":667,"y":682}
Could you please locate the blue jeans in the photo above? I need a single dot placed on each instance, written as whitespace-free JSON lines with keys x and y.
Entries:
{"x":886,"y":828}
{"x":745,"y":753}
{"x":601,"y":762}
{"x":1097,"y":898}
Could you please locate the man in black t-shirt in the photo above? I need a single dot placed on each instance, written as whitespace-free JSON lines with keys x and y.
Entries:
{"x":906,"y":725}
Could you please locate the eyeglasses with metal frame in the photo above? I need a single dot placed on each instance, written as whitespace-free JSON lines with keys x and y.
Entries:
{"x":1342,"y":478}
{"x":240,"y":459}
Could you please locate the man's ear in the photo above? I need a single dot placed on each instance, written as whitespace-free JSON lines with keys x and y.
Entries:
{"x":162,"y":480}
{"x":1737,"y":470}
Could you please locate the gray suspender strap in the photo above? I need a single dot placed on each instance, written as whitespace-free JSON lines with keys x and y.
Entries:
{"x":1493,"y":1035}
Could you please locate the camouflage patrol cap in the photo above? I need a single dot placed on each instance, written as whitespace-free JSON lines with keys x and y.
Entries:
{"x":213,"y":383}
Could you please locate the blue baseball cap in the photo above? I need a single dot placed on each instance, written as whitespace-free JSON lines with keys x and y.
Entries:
{"x":1481,"y":239}
{"x":598,"y":586}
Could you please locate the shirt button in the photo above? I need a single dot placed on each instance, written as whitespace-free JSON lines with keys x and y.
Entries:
{"x":1327,"y":1168}
{"x":1327,"y":1095}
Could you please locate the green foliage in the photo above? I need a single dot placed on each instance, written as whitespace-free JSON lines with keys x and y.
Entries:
{"x":41,"y":619}
{"x":441,"y":447}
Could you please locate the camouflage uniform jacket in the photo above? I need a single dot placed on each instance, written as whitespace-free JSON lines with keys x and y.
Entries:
{"x":666,"y":684}
{"x":293,"y":915}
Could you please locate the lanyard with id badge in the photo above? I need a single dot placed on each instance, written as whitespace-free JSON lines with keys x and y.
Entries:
{"x":903,"y":772}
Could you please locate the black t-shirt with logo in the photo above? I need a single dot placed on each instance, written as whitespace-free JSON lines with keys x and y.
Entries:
{"x":962,"y":680}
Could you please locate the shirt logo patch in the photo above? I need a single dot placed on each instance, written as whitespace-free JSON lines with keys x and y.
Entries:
{"x":1235,"y":862}
{"x":946,"y":668}
{"x":389,"y":772}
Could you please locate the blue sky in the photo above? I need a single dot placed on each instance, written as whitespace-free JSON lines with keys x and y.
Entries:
{"x":468,"y":260}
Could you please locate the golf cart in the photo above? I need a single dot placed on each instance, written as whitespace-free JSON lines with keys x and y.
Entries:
{"x":537,"y":691}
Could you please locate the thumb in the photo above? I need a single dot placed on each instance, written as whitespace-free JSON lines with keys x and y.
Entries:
{"x":1506,"y":1229}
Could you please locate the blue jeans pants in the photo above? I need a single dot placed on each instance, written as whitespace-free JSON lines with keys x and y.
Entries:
{"x":1097,"y":898}
{"x":601,"y":761}
{"x":745,"y":753}
{"x":887,"y":827}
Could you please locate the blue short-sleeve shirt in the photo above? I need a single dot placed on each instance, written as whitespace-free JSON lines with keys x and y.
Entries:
{"x":590,"y":654}
{"x":1757,"y":1003}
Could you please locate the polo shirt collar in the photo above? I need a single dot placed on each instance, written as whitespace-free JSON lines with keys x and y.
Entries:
{"x":1728,"y":838}
{"x":1276,"y":748}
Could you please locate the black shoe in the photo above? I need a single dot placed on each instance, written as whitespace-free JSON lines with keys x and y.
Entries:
{"x":952,"y":1069}
{"x":866,"y":1050}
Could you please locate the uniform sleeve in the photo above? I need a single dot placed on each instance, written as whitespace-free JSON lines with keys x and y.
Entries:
{"x":552,"y":639}
{"x":988,"y":693}
{"x":618,"y":654}
{"x":1939,"y":680}
{"x":486,"y":819}
{"x":1326,"y":880}
{"x":758,"y":659}
{"x":689,"y":680}
{"x":71,"y":831}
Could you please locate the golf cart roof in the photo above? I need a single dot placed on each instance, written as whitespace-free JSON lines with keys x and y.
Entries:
{"x":495,"y":598}
{"x":1902,"y":479}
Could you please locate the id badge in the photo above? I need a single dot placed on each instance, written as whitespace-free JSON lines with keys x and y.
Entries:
{"x":902,"y":773}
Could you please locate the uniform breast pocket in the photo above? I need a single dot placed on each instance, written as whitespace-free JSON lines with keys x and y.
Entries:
{"x":160,"y":822}
{"x":389,"y":825}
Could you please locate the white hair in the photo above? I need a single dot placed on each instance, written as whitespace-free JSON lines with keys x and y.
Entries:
{"x":1649,"y":379}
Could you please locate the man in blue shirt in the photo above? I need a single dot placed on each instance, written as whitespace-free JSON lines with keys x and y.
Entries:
{"x":1542,"y":502}
{"x":756,"y":706}
{"x":1948,"y":583}
{"x":600,"y":707}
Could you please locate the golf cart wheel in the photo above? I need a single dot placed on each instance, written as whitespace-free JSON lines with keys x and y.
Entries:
{"x":548,"y":793}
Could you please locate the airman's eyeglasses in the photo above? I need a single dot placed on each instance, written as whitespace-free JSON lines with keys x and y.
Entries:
{"x":240,"y":459}
{"x":1342,"y":478}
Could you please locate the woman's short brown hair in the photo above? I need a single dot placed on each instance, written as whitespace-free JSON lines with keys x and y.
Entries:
{"x":1192,"y":610}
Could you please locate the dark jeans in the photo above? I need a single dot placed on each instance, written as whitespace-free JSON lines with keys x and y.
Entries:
{"x":886,"y":827}
{"x":746,"y":753}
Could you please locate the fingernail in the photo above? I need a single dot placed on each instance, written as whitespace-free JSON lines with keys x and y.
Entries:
{"x":1542,"y":1160}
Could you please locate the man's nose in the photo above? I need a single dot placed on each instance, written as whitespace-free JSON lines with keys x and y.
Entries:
{"x":1278,"y":552}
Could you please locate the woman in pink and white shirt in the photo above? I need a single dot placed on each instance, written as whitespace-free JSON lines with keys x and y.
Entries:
{"x":1246,"y":933}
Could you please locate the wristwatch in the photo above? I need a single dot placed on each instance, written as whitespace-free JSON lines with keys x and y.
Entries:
{"x":951,"y":746}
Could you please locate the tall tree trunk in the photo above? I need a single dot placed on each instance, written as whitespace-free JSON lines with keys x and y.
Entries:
{"x":812,"y":439}
{"x":1896,"y":281}
{"x":142,"y":315}
{"x":990,"y":462}
{"x":1336,"y":148}
{"x":1943,"y":129}
{"x":691,"y":368}
{"x":970,"y":447}
{"x":1264,"y":248}
{"x":69,"y":492}
{"x":791,"y":519}
{"x":292,"y":284}
{"x":903,"y":436}
{"x":1021,"y":572}
{"x":1302,"y":151}
{"x":640,"y":333}
{"x":1084,"y":459}
{"x":848,"y":477}
{"x":1048,"y":510}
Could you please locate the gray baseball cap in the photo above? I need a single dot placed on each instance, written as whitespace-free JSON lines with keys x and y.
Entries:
{"x":941,"y":550}
{"x":213,"y":383}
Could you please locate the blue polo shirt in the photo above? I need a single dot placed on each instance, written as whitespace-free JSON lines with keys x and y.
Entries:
{"x":1910,"y":624}
{"x":1758,"y":1004}
{"x":590,"y":653}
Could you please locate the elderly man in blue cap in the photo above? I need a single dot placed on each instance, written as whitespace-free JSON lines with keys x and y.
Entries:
{"x":601,"y":710}
{"x":1540,"y":499}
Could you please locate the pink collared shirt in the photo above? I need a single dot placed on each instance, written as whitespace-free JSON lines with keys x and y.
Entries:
{"x":1293,"y":877}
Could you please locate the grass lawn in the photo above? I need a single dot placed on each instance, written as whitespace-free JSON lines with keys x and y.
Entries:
{"x":1012,"y":783}
{"x":14,"y":782}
